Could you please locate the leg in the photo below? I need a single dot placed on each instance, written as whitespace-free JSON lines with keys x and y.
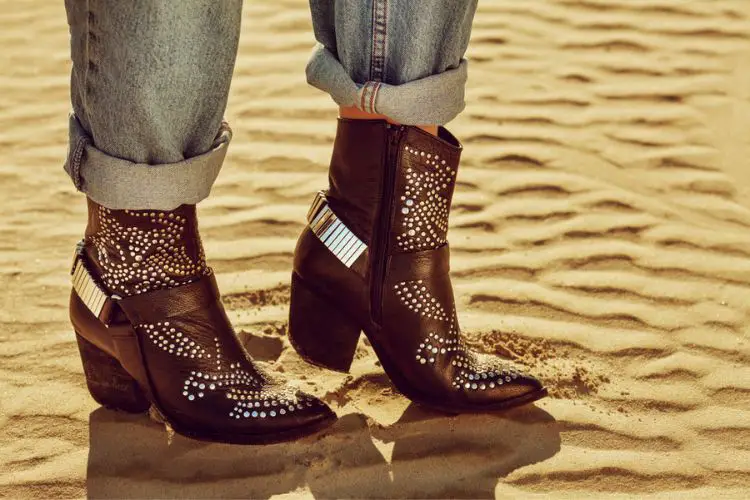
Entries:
{"x":375,"y":256}
{"x":402,"y":59}
{"x":149,"y":86}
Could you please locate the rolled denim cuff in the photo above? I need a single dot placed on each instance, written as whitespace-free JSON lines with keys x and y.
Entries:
{"x":433,"y":100}
{"x":121,"y":184}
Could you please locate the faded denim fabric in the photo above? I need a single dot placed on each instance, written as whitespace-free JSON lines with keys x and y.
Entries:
{"x":400,"y":58}
{"x":149,"y":87}
{"x":150,"y":82}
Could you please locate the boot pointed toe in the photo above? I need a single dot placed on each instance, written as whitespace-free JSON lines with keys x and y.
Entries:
{"x":283,"y":415}
{"x":506,"y":394}
{"x":375,"y":258}
{"x":166,"y":342}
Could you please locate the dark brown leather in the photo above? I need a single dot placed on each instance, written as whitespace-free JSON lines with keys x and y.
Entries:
{"x":176,"y":340}
{"x":355,"y":174}
{"x":135,"y":251}
{"x":315,"y":264}
{"x":404,"y":301}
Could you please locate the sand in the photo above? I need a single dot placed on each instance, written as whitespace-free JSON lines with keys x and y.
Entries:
{"x":600,"y":236}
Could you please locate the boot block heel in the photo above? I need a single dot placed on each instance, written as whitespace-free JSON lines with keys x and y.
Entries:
{"x":320,"y":331}
{"x":109,"y":384}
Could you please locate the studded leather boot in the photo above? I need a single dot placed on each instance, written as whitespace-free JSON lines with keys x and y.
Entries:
{"x":153,"y":334}
{"x":375,"y":258}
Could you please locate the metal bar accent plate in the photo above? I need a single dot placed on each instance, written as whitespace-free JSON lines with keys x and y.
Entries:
{"x":334,"y":234}
{"x":86,"y":288}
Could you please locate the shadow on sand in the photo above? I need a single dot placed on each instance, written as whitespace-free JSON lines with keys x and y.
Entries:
{"x":432,"y":455}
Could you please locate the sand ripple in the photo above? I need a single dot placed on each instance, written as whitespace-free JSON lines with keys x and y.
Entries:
{"x":601,"y":236}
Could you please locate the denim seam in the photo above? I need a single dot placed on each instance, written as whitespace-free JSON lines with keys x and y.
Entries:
{"x":89,"y":62}
{"x":368,"y":96}
{"x":379,"y":39}
{"x":373,"y":97}
{"x":363,"y":95}
{"x":75,"y":159}
{"x":121,"y":184}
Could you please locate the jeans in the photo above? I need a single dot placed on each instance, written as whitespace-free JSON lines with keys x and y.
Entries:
{"x":150,"y":82}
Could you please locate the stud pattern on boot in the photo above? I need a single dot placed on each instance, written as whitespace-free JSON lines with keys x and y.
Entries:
{"x":422,"y":214}
{"x":469,"y":366}
{"x":401,"y":295}
{"x":146,"y":255}
{"x":166,"y":340}
{"x":252,"y":394}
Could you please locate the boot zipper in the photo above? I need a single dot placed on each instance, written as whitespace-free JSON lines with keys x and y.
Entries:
{"x":382,"y":239}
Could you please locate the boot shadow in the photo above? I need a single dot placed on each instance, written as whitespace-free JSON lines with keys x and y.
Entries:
{"x":430,"y":455}
{"x":130,"y":457}
{"x":438,"y":456}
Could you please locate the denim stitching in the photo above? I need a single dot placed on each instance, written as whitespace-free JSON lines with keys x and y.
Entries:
{"x":366,"y":98}
{"x":379,"y":25}
{"x":374,"y":97}
{"x":363,"y":93}
{"x":75,"y":159}
{"x":225,"y":134}
{"x":370,"y":107}
{"x":87,"y":50}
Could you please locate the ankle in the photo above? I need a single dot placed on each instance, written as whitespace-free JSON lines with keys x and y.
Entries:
{"x":136,"y":251}
{"x":353,"y":113}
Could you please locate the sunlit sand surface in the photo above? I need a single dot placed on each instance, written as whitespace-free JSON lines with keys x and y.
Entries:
{"x":600,"y":236}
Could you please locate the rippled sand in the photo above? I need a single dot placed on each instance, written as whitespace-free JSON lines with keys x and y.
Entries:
{"x":601,"y":236}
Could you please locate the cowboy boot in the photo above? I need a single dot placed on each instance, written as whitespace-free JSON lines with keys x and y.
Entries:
{"x":152,"y":333}
{"x":375,"y":258}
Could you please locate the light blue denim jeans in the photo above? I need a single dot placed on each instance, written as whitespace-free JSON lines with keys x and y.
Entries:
{"x":150,"y":82}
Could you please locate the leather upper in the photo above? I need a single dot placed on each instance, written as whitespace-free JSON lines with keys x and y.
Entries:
{"x":416,"y":334}
{"x":355,"y":173}
{"x":175,"y":339}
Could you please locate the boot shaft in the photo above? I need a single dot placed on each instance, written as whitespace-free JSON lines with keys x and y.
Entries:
{"x":390,"y":191}
{"x":425,"y":175}
{"x":356,"y":173}
{"x":396,"y":176}
{"x":135,"y":251}
{"x":394,"y":190}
